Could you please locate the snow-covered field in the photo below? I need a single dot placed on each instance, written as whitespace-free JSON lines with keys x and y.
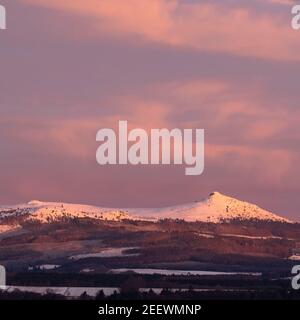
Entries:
{"x":69,"y":292}
{"x":243,"y":236}
{"x":295,"y":257}
{"x":250,"y":237}
{"x":182,"y":272}
{"x":48,"y":266}
{"x":76,"y":292}
{"x":106,"y":253}
{"x":87,"y":270}
{"x":205,"y":235}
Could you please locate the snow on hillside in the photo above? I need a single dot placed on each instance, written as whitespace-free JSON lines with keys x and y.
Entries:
{"x":51,"y":211}
{"x":216,"y":208}
{"x":7,"y":228}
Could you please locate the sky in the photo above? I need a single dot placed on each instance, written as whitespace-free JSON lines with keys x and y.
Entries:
{"x":69,"y":68}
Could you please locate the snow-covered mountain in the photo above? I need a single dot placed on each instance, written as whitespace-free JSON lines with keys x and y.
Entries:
{"x":51,"y":211}
{"x":216,"y":208}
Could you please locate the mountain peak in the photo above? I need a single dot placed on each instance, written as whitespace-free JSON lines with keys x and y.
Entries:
{"x":35,"y":202}
{"x":219,"y":198}
{"x":217,"y":194}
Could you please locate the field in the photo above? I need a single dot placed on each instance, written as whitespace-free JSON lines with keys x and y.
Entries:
{"x":212,"y":259}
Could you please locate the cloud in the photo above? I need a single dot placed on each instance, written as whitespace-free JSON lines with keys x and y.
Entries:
{"x":222,"y":108}
{"x":75,"y":137}
{"x":216,"y":27}
{"x":264,"y":166}
{"x":283,"y":2}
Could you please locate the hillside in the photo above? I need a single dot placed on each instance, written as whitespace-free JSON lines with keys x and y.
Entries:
{"x":215,"y":209}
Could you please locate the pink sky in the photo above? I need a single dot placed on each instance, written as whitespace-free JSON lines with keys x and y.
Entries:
{"x":69,"y":68}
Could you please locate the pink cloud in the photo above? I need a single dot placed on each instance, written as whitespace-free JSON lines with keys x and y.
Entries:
{"x":265,"y":166}
{"x":202,"y":26}
{"x":76,"y":137}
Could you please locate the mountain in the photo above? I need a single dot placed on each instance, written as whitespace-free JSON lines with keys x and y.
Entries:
{"x":74,"y":239}
{"x":47,"y":212}
{"x":216,"y":208}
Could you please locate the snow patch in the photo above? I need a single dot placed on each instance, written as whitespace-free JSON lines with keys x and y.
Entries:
{"x":181,"y":272}
{"x":294,"y":257}
{"x":107,"y":253}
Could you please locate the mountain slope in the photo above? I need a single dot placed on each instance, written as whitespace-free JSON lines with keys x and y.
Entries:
{"x":216,"y":208}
